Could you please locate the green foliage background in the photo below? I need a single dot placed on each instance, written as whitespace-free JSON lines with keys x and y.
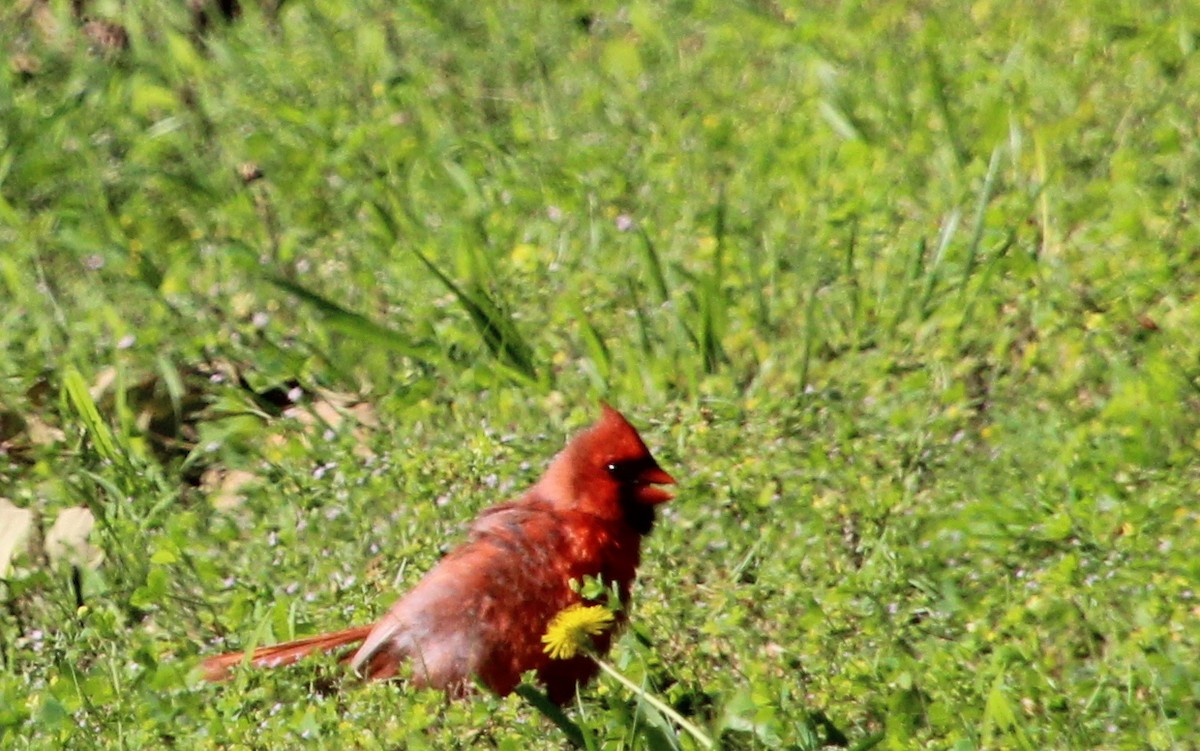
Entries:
{"x":905,"y":294}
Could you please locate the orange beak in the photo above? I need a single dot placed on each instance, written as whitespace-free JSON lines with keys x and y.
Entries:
{"x":647,"y":493}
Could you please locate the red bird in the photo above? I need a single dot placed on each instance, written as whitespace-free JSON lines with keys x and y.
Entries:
{"x":482,"y":610}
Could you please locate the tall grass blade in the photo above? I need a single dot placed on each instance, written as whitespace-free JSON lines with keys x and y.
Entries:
{"x":837,"y":119}
{"x":712,"y":298}
{"x":988,"y":272}
{"x":386,"y":219}
{"x":75,"y":390}
{"x":810,"y":336}
{"x":710,"y":345}
{"x":857,"y":328}
{"x":594,"y":341}
{"x":643,"y":321}
{"x":497,"y":328}
{"x":933,"y":273}
{"x":654,"y":266}
{"x":909,"y":285}
{"x":1000,"y":716}
{"x":173,"y":383}
{"x":985,"y":197}
{"x":939,"y":87}
{"x":760,"y":286}
{"x":353,"y":324}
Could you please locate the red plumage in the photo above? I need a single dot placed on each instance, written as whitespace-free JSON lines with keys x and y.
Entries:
{"x":482,"y":610}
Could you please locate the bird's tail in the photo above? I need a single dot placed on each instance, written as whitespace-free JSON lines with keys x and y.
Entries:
{"x":218,"y":668}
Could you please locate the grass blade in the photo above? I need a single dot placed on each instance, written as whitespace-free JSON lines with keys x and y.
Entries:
{"x":939,"y":85}
{"x":497,"y":328}
{"x":351,"y":323}
{"x":643,"y":321}
{"x":554,"y":713}
{"x":985,"y":196}
{"x":81,"y":403}
{"x":908,"y":285}
{"x":933,"y":273}
{"x":594,"y":341}
{"x":761,"y":289}
{"x":653,"y":265}
{"x":810,"y":335}
{"x":713,"y":303}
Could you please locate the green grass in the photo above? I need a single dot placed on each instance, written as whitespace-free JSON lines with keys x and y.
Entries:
{"x":905,"y":295}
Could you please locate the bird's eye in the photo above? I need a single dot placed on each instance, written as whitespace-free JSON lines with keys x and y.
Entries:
{"x":623,"y":471}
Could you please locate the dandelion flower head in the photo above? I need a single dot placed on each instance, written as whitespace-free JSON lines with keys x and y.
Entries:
{"x":573,"y":628}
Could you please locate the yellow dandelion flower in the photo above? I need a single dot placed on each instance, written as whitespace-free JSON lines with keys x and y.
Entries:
{"x":572,"y":629}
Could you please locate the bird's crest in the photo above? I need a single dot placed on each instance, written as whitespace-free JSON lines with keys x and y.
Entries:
{"x":606,"y":470}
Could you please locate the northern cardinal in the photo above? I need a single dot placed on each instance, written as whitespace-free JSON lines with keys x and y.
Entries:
{"x":482,"y":610}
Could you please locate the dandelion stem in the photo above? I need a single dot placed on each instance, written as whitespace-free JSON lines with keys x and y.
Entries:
{"x":700,"y":736}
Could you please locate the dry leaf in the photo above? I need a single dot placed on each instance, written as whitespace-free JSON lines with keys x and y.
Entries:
{"x":106,"y":37}
{"x":67,"y":539}
{"x":25,"y":64}
{"x":105,"y":378}
{"x":42,"y":433}
{"x":16,"y":525}
{"x":331,"y":409}
{"x":249,"y":172}
{"x":318,"y":412}
{"x":225,"y":486}
{"x":365,"y":414}
{"x":362,"y":447}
